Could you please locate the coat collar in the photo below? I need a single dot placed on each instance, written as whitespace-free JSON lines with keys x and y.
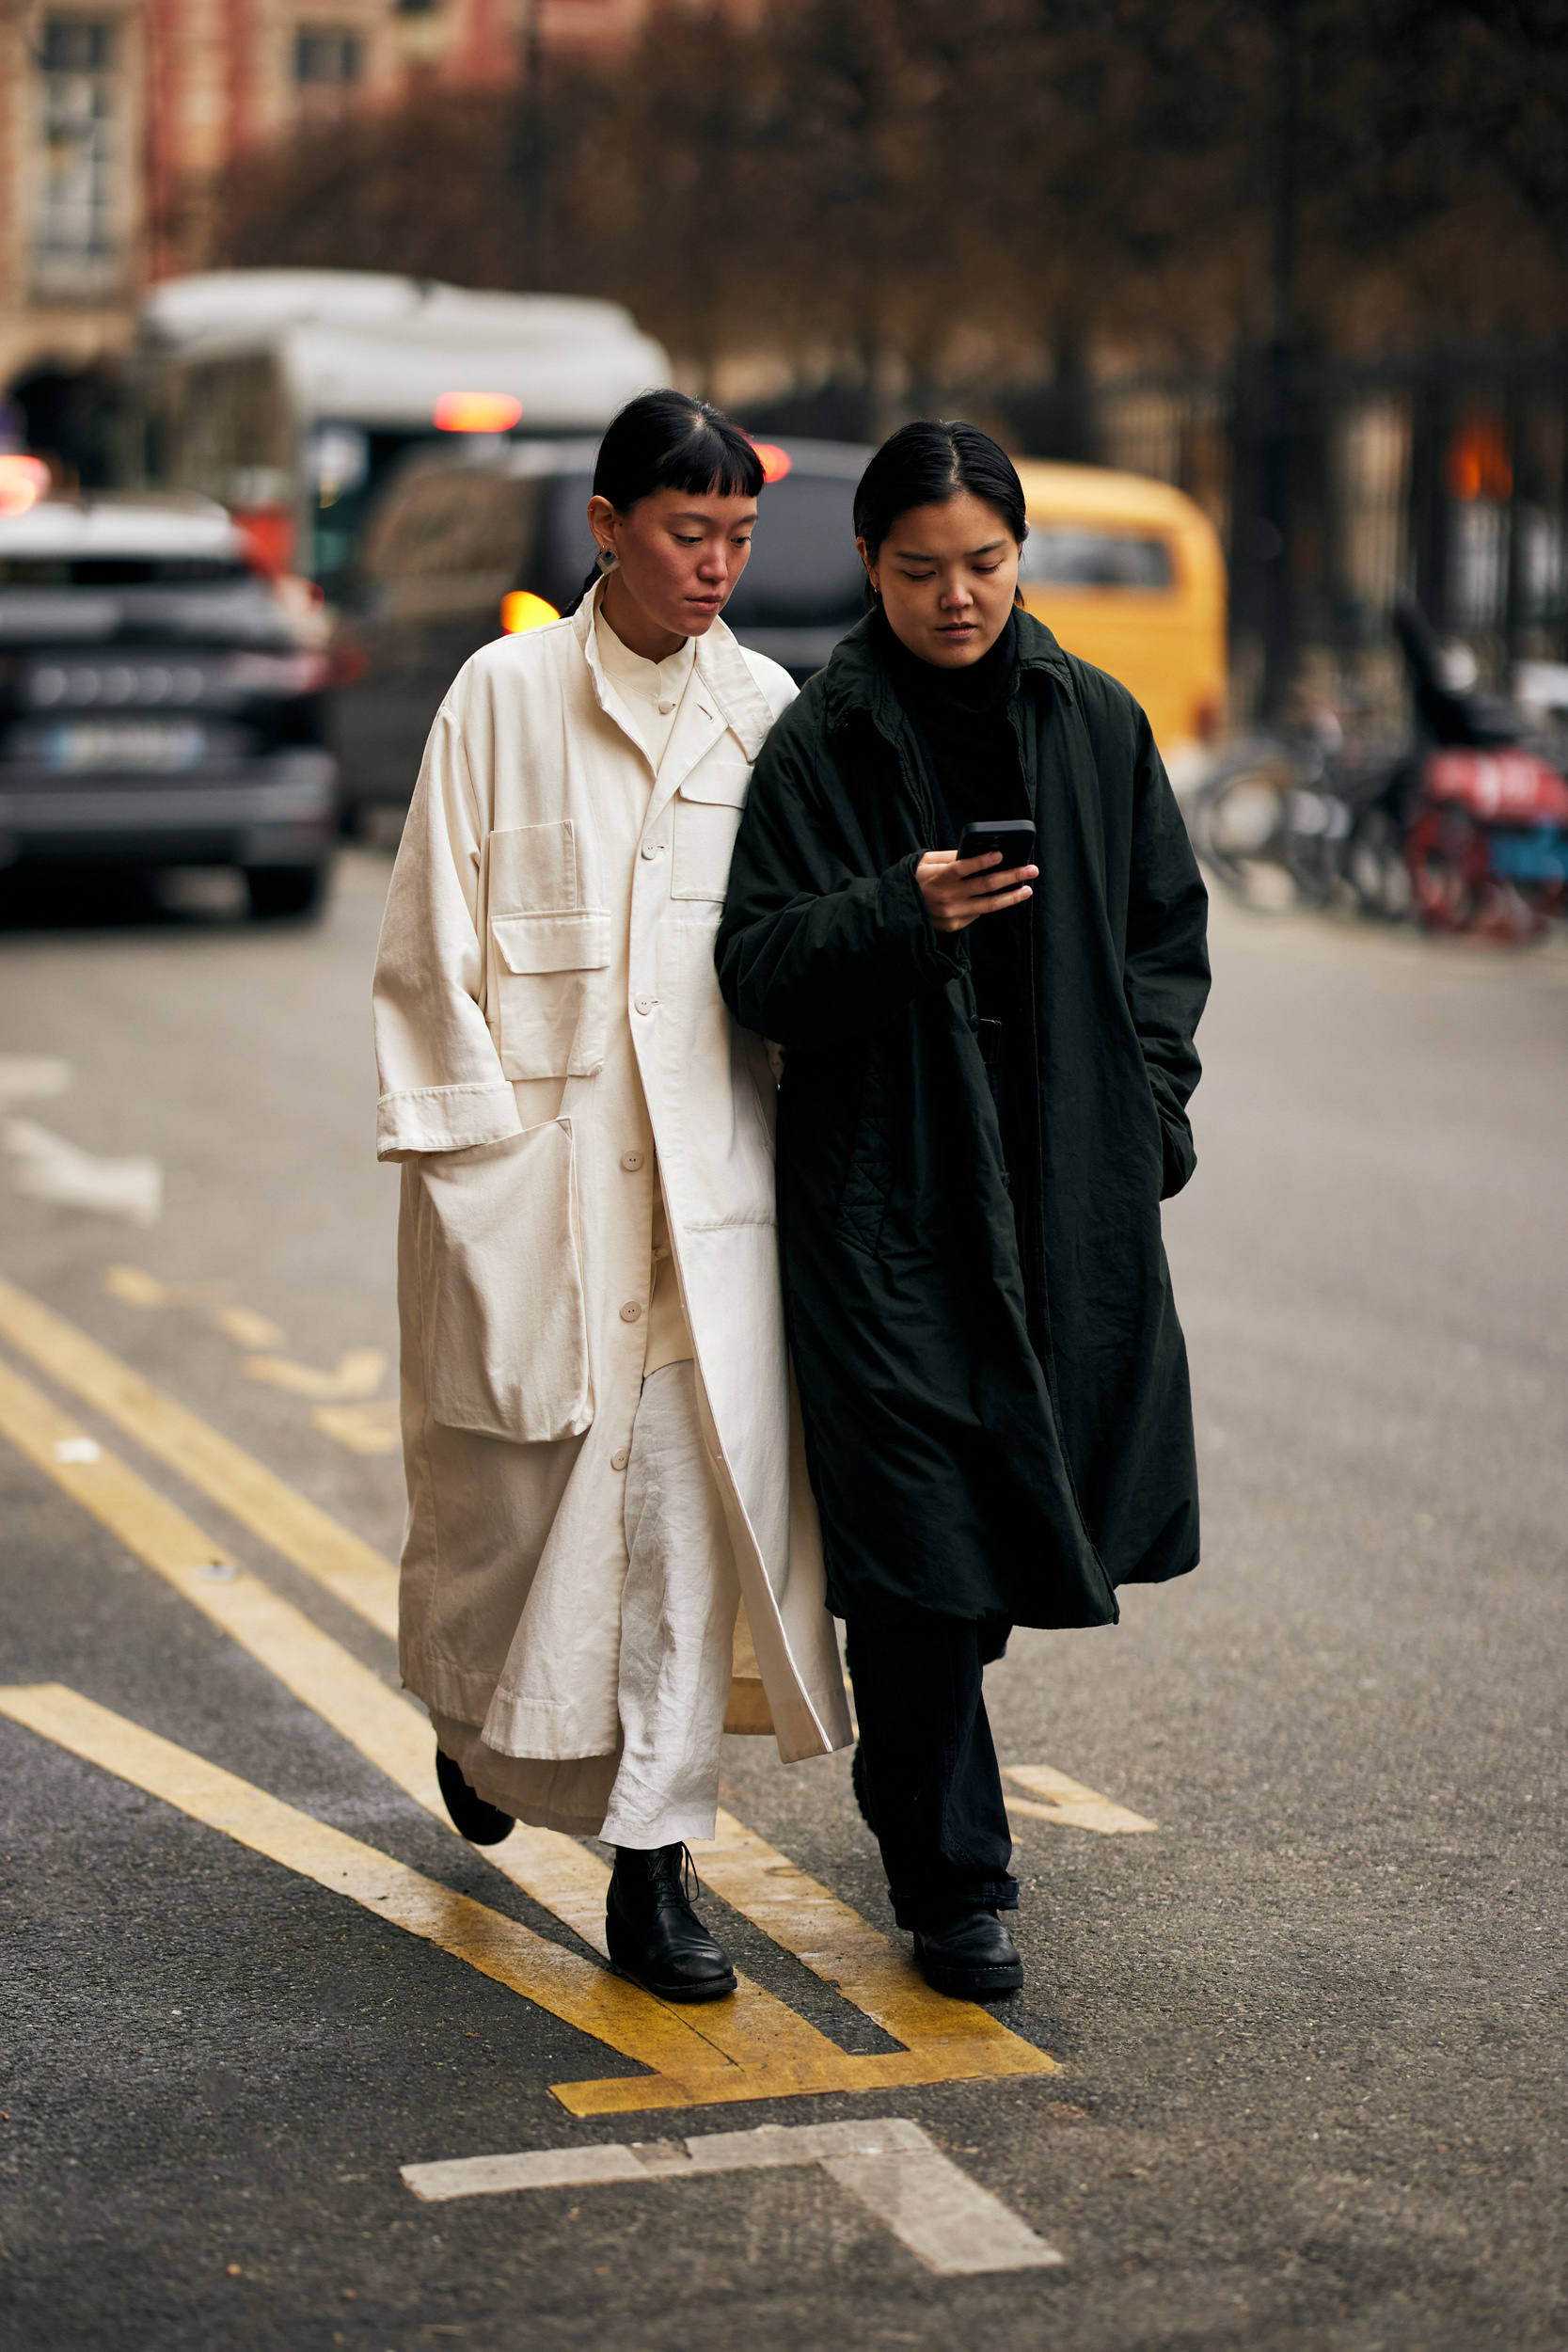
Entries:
{"x":856,"y":681}
{"x":722,"y":680}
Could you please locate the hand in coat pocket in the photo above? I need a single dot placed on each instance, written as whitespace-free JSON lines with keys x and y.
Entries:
{"x":505,"y":1319}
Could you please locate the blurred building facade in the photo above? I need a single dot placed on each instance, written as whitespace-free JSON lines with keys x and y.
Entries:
{"x":118,"y":116}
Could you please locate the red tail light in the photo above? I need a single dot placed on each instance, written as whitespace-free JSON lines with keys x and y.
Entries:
{"x":268,"y":533}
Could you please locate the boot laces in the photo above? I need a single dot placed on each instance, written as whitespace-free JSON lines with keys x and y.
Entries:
{"x":677,"y":1870}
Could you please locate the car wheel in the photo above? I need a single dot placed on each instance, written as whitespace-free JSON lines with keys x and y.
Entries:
{"x":280,"y":890}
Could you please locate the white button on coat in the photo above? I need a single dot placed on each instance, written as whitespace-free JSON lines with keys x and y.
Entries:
{"x":520,"y":924}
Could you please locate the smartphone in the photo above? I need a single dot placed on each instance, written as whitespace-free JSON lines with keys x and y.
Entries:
{"x":1013,"y":835}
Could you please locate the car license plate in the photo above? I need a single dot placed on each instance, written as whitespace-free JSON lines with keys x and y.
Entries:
{"x":126,"y":743}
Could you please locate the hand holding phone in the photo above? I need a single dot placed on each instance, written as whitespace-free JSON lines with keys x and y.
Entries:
{"x":1012,"y":837}
{"x":958,"y":892}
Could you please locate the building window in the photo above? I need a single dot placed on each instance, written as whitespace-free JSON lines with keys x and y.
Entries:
{"x":77,"y":244}
{"x":323,"y":58}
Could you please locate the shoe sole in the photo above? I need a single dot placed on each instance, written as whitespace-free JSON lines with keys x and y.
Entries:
{"x":712,"y":1990}
{"x":970,"y":1984}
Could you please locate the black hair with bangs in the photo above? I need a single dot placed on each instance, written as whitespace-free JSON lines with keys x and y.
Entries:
{"x":669,"y":440}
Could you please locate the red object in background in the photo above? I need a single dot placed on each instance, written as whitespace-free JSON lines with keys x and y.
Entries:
{"x":1484,"y":846}
{"x":776,"y":462}
{"x":268,"y":533}
{"x":1506,"y":787}
{"x":1478,"y":463}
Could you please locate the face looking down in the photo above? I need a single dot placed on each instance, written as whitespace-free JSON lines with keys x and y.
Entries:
{"x":678,"y":555}
{"x":946,"y":575}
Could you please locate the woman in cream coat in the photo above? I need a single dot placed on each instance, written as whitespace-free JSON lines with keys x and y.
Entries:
{"x":600,"y":1445}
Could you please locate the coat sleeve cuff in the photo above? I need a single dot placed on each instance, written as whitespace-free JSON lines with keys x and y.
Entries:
{"x":444,"y":1118}
{"x":940,"y":956}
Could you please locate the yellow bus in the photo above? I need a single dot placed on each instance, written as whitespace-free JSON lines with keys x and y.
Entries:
{"x":1129,"y":574}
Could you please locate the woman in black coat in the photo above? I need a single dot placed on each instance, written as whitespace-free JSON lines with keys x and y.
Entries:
{"x":986,"y":1073}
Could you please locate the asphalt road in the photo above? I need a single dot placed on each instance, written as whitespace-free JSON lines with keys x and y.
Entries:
{"x":1310,"y":2085}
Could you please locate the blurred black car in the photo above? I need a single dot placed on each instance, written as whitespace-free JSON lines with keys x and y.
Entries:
{"x":161,"y":704}
{"x":456,"y":533}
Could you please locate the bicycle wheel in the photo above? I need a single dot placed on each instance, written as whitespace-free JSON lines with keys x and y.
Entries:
{"x":1239,"y":818}
{"x":1446,"y":854}
{"x":1374,"y":861}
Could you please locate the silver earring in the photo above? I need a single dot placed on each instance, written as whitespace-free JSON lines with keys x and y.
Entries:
{"x":607,"y":559}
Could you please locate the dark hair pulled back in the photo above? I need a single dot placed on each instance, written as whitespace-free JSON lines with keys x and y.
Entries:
{"x":669,"y":440}
{"x":927,"y":463}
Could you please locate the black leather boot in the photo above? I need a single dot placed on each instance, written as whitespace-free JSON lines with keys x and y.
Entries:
{"x":482,"y":1824}
{"x":973,"y":1957}
{"x":654,"y":1936}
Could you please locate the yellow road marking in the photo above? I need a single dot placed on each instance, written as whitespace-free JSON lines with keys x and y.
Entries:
{"x":308,"y":1536}
{"x":129,"y":1283}
{"x":363,"y":1428}
{"x":750,"y":2046}
{"x":1069,"y":1804}
{"x":359,"y":1374}
{"x":754,"y":2031}
{"x":836,"y":1943}
{"x":247,"y":1328}
{"x":564,"y":1983}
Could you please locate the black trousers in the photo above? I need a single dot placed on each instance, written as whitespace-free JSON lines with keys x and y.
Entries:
{"x":932,"y":1789}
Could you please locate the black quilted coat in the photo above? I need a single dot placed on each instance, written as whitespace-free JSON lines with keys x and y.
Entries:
{"x":994,"y":1386}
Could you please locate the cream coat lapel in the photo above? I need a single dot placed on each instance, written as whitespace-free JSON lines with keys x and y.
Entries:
{"x":721,"y":696}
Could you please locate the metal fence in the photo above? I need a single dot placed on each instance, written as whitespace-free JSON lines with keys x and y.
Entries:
{"x":1335,"y":486}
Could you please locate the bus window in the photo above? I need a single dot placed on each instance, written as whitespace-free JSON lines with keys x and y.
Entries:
{"x":1067,"y":555}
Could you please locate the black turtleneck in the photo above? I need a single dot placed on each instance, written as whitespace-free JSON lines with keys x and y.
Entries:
{"x":961,"y":717}
{"x":971,"y":758}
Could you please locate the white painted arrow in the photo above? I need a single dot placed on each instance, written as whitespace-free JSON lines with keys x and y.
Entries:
{"x":51,"y":1169}
{"x":948,"y":2221}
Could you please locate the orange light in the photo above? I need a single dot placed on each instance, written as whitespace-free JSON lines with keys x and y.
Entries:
{"x":22,"y":483}
{"x":523,"y":609}
{"x":776,"y":462}
{"x":477,"y":412}
{"x":1479,"y":466}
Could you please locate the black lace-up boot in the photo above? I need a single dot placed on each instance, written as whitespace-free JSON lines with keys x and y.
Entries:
{"x":480,"y":1823}
{"x":653,"y":1934}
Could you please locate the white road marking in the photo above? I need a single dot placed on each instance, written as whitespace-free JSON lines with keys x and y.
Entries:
{"x":52,"y":1169}
{"x":888,"y":2164}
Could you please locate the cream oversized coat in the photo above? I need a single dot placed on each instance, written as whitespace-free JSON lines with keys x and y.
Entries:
{"x":547,"y":1018}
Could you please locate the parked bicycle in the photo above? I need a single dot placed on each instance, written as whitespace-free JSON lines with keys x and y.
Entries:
{"x":1466,"y":828}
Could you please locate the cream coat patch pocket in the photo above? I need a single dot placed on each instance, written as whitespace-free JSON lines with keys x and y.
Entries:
{"x":552,"y":993}
{"x":505,"y":1317}
{"x":707,"y":811}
